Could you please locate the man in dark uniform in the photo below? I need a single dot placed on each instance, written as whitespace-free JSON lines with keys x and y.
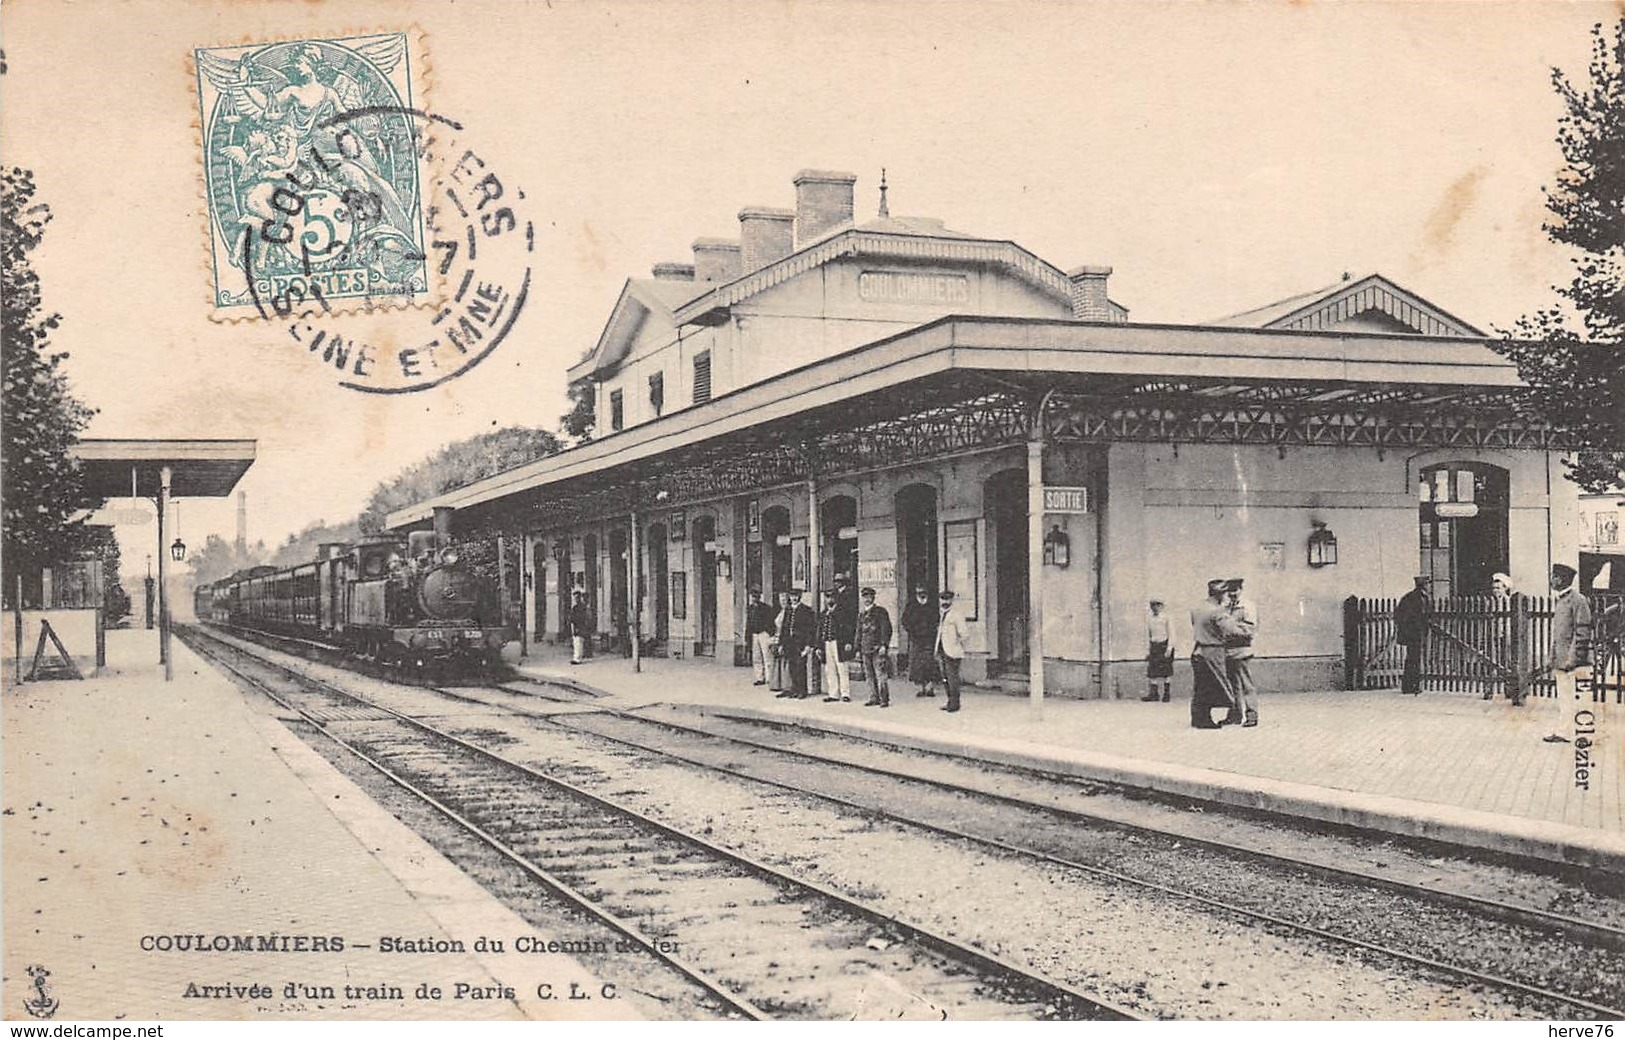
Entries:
{"x":920,"y":622}
{"x":580,"y":626}
{"x":758,"y":633}
{"x":796,"y":638}
{"x":874,"y":644}
{"x":1410,"y":625}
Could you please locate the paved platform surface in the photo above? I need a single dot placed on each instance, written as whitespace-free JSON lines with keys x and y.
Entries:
{"x":135,"y":808}
{"x":1446,"y":766}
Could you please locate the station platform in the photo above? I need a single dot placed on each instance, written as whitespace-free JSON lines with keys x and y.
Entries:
{"x":1448,"y":767}
{"x":137,"y":812}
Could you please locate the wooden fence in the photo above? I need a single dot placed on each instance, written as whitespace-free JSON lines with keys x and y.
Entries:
{"x":1487,"y":645}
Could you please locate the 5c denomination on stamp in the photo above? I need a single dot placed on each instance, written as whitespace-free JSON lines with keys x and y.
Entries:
{"x":314,"y":179}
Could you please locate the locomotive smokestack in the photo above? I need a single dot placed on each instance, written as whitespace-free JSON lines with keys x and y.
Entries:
{"x":442,"y":525}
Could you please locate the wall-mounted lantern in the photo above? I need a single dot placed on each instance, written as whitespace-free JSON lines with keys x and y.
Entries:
{"x":1322,"y":545}
{"x":1057,"y":547}
{"x":725,"y":565}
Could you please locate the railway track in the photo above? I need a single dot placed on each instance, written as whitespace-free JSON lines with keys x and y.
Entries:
{"x":758,"y":940}
{"x":817,"y":778}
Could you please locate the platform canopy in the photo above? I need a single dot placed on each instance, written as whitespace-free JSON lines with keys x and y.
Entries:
{"x":970,"y":383}
{"x":198,"y":468}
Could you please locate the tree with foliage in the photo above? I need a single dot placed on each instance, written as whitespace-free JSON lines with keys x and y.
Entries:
{"x":578,"y":422}
{"x":1573,"y":354}
{"x":454,"y":466}
{"x":102,"y":544}
{"x":302,"y":547}
{"x":42,"y":486}
{"x":217,"y":558}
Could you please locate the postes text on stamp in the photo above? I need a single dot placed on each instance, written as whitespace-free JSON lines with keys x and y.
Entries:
{"x":313,"y":171}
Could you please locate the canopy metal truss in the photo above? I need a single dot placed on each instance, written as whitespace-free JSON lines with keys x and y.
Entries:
{"x":965,"y":410}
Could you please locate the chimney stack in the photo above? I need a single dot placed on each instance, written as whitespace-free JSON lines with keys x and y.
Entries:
{"x":1089,"y":301}
{"x":670,"y":271}
{"x":242,"y":523}
{"x":765,"y":235}
{"x":716,"y":260}
{"x":823,"y":203}
{"x":442,"y":525}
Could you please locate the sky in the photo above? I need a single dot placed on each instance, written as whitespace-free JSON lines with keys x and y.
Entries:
{"x":1216,"y":156}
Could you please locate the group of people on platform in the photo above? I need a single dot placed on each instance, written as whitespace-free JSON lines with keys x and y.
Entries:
{"x":1222,"y":626}
{"x":1570,"y":649}
{"x":799,"y":653}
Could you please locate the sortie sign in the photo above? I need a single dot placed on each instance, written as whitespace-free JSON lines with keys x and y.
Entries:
{"x":1066,"y":500}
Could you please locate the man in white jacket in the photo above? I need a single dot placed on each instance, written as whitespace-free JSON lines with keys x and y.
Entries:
{"x":950,"y":646}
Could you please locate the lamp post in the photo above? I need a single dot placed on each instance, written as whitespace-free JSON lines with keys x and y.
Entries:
{"x":147,"y":614}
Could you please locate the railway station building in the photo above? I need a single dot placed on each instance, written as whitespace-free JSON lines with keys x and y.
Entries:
{"x":904,"y":404}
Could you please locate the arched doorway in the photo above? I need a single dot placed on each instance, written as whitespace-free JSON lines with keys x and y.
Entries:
{"x":561,"y":561}
{"x":838,"y":547}
{"x":915,"y":512}
{"x":538,"y":585}
{"x":1004,"y":503}
{"x":619,"y":618}
{"x":705,"y":563}
{"x":776,"y":559}
{"x":661,"y":599}
{"x":1463,"y":518}
{"x":589,"y":583}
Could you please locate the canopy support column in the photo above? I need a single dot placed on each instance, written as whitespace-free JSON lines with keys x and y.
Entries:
{"x":634,"y":594}
{"x":163,"y":576}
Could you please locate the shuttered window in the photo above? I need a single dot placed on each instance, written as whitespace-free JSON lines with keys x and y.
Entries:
{"x":702,"y":377}
{"x":617,"y":411}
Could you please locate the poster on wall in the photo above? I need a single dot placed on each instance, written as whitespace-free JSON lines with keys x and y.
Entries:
{"x":1608,"y":528}
{"x":959,"y":546}
{"x":753,"y":520}
{"x":798,"y":563}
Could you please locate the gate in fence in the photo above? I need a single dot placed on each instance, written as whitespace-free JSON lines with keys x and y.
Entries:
{"x":1486,"y":645}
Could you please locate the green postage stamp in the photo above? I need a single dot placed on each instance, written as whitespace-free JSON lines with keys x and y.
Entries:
{"x":313,"y":180}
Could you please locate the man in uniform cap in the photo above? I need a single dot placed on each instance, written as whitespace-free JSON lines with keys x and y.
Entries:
{"x":874,"y":644}
{"x":1238,"y":658}
{"x":796,"y":638}
{"x":1410,"y":625}
{"x":1211,"y":626}
{"x":1571,"y":648}
{"x":951,"y":636}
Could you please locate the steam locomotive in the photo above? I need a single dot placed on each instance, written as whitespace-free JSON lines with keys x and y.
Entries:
{"x":412,"y":603}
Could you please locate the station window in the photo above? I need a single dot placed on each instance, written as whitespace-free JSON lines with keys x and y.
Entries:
{"x":702,"y":377}
{"x":657,"y":393}
{"x":617,"y":411}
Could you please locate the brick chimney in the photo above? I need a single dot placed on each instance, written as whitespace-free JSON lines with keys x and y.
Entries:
{"x":823,"y":203}
{"x":716,"y":260}
{"x":670,"y":271}
{"x":1089,"y":301}
{"x":765,"y":235}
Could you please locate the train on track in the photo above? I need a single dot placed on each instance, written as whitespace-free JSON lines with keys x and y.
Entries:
{"x":414,"y":603}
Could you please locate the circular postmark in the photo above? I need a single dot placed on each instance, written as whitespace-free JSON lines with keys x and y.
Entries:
{"x":479,"y":249}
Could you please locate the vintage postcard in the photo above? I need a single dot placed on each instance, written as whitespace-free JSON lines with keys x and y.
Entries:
{"x":709,"y":511}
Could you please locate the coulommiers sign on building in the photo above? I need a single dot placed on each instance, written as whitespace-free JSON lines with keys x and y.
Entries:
{"x":913,"y":287}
